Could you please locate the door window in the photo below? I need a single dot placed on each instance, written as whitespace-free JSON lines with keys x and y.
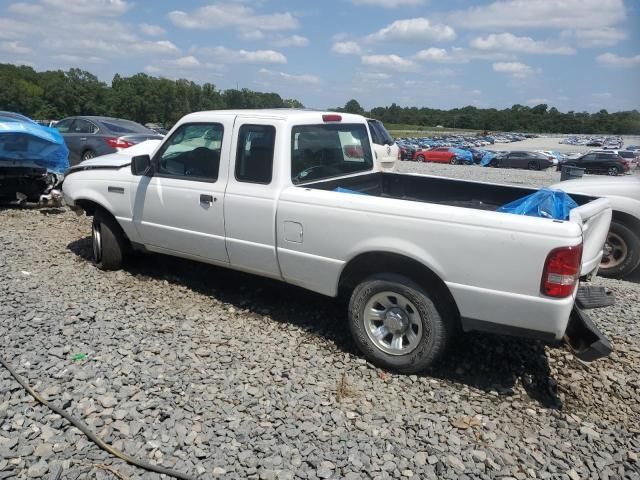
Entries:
{"x":588,"y":158}
{"x":192,"y":152}
{"x":254,"y":156}
{"x":63,"y":125}
{"x":83,"y":126}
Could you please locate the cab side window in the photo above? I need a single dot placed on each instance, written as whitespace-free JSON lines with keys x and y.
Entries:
{"x":192,"y":152}
{"x":254,"y":156}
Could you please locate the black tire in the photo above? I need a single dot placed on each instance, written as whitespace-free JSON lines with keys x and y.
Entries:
{"x":108,"y":241}
{"x":88,"y":155}
{"x":614,"y":171}
{"x":453,"y":161}
{"x":435,"y":333}
{"x":533,"y":165}
{"x":495,"y":163}
{"x":420,"y":158}
{"x":623,"y":245}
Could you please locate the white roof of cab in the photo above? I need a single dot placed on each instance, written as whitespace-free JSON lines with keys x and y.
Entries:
{"x":292,"y":114}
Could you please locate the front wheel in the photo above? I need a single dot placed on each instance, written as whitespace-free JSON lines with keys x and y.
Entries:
{"x":533,"y":166}
{"x":621,"y":251}
{"x":108,"y":241}
{"x":396,"y":324}
{"x":453,"y":161}
{"x":420,"y":158}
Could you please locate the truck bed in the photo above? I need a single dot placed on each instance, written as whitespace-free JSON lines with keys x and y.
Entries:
{"x":427,"y":189}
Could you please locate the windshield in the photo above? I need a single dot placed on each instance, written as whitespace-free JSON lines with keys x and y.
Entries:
{"x":329,"y":150}
{"x":385,"y":137}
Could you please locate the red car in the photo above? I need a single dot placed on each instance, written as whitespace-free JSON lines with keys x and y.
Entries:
{"x":438,"y":155}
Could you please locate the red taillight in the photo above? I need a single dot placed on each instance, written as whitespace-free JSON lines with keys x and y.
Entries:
{"x":118,"y":142}
{"x":561,"y":271}
{"x":331,"y":118}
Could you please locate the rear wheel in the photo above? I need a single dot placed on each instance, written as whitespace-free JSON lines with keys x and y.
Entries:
{"x":420,"y":158}
{"x":613,"y":171}
{"x":533,"y":165}
{"x":621,"y":251}
{"x":108,"y":241}
{"x":88,"y":155}
{"x":453,"y":161}
{"x":396,"y":324}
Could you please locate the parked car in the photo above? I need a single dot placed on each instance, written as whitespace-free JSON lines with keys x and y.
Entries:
{"x":89,"y":136}
{"x":280,"y":197}
{"x":523,"y":159}
{"x":599,"y":162}
{"x":437,"y":155}
{"x":33,"y":159}
{"x":622,"y":248}
{"x":387,"y":152}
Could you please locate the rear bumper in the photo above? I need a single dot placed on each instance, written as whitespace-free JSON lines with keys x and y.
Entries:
{"x":584,"y":339}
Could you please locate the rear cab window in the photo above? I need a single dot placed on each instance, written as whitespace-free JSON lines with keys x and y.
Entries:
{"x":329,"y":150}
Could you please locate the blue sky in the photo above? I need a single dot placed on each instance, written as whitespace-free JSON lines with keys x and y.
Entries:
{"x":572,"y":54}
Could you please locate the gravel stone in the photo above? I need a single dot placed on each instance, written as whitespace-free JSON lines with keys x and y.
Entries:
{"x":204,"y":370}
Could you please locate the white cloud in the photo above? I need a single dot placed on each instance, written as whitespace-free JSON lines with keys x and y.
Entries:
{"x":612,"y":60}
{"x":159,"y":47}
{"x":347,"y":48}
{"x":306,"y":78}
{"x":151,"y":30}
{"x":12,"y":29}
{"x":252,"y":35}
{"x":226,"y":55}
{"x":186,"y":62}
{"x":14,"y":48}
{"x":538,"y":101}
{"x":602,"y":95}
{"x":413,"y":30}
{"x":94,"y":8}
{"x":515,"y":69}
{"x":232,"y":15}
{"x":597,"y":37}
{"x":579,"y":14}
{"x":77,"y":60}
{"x":389,"y":3}
{"x":25,"y":8}
{"x":511,"y":43}
{"x":390,"y":62}
{"x":292,"y":41}
{"x":433,"y":55}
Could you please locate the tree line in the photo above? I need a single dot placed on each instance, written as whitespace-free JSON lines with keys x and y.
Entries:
{"x":518,"y":118}
{"x":143,"y":98}
{"x":57,"y":94}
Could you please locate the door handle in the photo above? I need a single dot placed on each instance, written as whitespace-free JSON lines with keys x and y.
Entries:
{"x":207,"y":199}
{"x":84,"y":139}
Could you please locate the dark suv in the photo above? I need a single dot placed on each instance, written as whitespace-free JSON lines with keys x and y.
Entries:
{"x":599,"y":162}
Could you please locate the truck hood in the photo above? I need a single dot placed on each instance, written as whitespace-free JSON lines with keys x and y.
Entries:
{"x":119,"y":159}
{"x":627,"y":186}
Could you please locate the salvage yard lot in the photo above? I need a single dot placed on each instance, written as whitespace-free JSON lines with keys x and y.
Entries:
{"x":221,"y":374}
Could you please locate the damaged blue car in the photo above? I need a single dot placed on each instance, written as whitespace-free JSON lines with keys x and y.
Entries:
{"x":33,"y":160}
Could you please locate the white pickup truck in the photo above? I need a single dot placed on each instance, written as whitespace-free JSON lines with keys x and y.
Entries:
{"x":296,"y":196}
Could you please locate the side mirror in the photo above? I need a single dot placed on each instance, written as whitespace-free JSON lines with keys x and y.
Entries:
{"x":141,"y":165}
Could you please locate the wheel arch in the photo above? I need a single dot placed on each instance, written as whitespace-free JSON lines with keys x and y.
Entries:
{"x":373,"y":262}
{"x":627,"y":219}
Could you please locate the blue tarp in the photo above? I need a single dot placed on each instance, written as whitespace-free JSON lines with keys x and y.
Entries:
{"x":544,"y":203}
{"x":26,"y":142}
{"x":486,"y":158}
{"x":463,"y":155}
{"x":347,"y":190}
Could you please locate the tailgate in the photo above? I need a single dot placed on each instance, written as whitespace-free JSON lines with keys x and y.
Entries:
{"x":594,"y":217}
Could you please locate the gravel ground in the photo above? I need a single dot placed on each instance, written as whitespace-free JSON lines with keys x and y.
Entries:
{"x":220,"y":374}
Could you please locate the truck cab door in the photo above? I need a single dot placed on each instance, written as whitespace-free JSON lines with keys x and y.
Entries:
{"x":251,"y":197}
{"x":179,"y":210}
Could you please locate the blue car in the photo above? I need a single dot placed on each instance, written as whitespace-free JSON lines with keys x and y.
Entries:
{"x":33,"y":158}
